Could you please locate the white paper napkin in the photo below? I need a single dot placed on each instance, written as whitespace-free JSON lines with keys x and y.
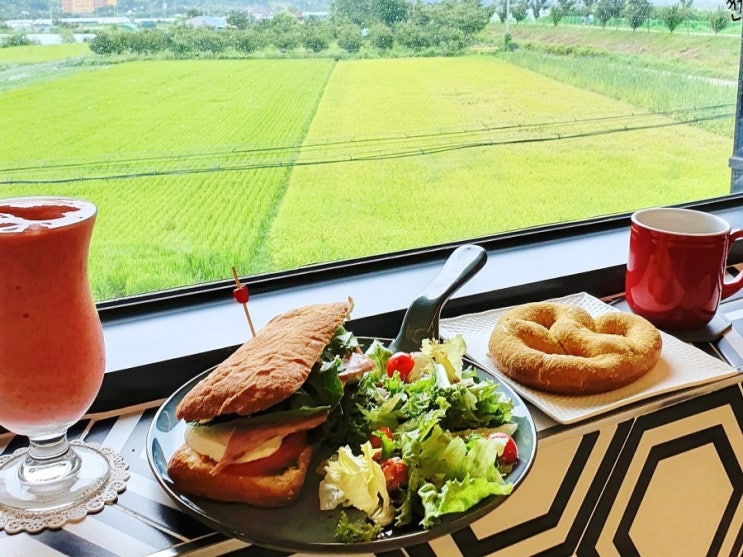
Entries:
{"x":681,"y":365}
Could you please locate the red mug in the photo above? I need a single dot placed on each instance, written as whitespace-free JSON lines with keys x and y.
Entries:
{"x":676,"y":266}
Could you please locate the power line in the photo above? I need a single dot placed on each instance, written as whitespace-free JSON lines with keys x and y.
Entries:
{"x":339,"y":143}
{"x":384,"y":147}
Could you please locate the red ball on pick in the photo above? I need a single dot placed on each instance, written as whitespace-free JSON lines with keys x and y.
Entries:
{"x":241,"y":294}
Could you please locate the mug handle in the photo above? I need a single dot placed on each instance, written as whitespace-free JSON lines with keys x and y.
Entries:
{"x":730,"y":288}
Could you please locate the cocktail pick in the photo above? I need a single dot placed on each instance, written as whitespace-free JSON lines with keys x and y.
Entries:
{"x":241,"y":295}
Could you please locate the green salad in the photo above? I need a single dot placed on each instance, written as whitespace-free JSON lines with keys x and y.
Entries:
{"x":420,"y":436}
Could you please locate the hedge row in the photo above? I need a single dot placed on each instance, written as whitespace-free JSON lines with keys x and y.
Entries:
{"x":315,"y":37}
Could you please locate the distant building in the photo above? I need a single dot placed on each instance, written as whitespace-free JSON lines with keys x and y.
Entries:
{"x":318,"y":15}
{"x":207,"y":21}
{"x":260,"y":14}
{"x":84,"y":6}
{"x":43,"y":24}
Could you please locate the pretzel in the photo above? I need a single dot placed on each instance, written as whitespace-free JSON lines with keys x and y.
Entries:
{"x":560,"y":348}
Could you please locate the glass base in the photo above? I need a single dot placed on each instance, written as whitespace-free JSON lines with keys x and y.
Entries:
{"x":33,"y":485}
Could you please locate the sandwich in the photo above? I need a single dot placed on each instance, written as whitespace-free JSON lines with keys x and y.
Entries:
{"x":253,"y":421}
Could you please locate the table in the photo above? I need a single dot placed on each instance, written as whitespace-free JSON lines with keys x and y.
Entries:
{"x":663,"y":477}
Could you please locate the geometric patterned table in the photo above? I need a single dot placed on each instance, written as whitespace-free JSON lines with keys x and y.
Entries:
{"x":653,"y":480}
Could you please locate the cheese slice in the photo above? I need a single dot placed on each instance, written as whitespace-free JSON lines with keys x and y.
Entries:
{"x":211,"y":443}
{"x":244,"y":440}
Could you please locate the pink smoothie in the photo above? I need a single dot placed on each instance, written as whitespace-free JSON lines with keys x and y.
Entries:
{"x":51,"y":343}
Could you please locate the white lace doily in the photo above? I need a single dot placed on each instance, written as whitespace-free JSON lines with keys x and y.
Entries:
{"x":14,"y":522}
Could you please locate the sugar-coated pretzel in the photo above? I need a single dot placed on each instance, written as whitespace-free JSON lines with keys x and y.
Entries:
{"x":560,"y":348}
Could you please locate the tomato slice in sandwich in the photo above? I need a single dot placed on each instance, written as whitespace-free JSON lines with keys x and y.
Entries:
{"x":287,"y":454}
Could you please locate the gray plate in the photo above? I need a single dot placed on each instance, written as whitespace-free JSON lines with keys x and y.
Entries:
{"x":302,"y":526}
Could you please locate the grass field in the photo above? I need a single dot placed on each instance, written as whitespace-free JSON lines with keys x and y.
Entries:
{"x":270,"y":164}
{"x":179,"y":117}
{"x":33,"y":54}
{"x":480,"y":190}
{"x":697,"y":54}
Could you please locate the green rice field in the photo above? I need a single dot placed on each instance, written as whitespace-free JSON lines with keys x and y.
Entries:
{"x":199,"y":165}
{"x":34,"y":54}
{"x":182,"y":119}
{"x":513,"y":183}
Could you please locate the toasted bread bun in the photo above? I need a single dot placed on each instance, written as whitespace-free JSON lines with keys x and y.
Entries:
{"x":269,"y":367}
{"x":192,"y":474}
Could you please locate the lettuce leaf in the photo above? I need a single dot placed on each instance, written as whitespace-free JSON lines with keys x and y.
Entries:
{"x":379,"y":354}
{"x":476,"y":404}
{"x":447,"y":456}
{"x":448,"y":353}
{"x":456,"y":496}
{"x":350,"y":531}
{"x":441,"y":466}
{"x":342,"y":343}
{"x":322,"y":388}
{"x":232,"y":421}
{"x":443,"y":383}
{"x":356,"y":481}
{"x":440,"y":422}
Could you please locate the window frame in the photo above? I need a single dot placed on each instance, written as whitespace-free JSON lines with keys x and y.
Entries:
{"x":156,"y":342}
{"x":151,"y":338}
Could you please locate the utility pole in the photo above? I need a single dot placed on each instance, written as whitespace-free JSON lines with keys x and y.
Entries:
{"x":508,"y":13}
{"x":736,"y":160}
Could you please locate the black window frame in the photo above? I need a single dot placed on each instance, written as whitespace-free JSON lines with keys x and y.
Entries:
{"x":157,"y":341}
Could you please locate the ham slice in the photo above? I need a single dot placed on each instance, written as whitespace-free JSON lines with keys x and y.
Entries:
{"x":244,"y":439}
{"x":356,"y":364}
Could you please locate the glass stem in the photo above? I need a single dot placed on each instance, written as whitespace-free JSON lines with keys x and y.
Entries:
{"x":48,"y":447}
{"x":50,"y":462}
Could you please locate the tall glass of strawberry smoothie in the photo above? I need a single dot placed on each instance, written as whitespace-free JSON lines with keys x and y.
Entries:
{"x":51,"y":351}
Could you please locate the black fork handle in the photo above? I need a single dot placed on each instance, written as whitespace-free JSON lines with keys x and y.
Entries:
{"x":421,"y":320}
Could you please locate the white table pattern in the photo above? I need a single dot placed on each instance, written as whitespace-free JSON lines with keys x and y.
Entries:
{"x":664,"y":480}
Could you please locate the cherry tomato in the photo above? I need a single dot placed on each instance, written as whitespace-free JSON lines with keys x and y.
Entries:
{"x":395,"y":473}
{"x":374,"y":438}
{"x":510,"y":451}
{"x":402,"y":363}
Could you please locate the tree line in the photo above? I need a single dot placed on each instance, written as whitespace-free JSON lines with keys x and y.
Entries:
{"x":447,"y":27}
{"x":636,"y":13}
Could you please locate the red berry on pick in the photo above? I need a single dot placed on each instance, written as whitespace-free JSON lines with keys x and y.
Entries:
{"x":241,"y":294}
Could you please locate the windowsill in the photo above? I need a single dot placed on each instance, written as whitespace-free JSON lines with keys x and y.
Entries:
{"x":152,"y":352}
{"x":173,"y":333}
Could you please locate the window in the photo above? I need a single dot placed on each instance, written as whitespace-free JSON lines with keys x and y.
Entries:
{"x":213,"y":138}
